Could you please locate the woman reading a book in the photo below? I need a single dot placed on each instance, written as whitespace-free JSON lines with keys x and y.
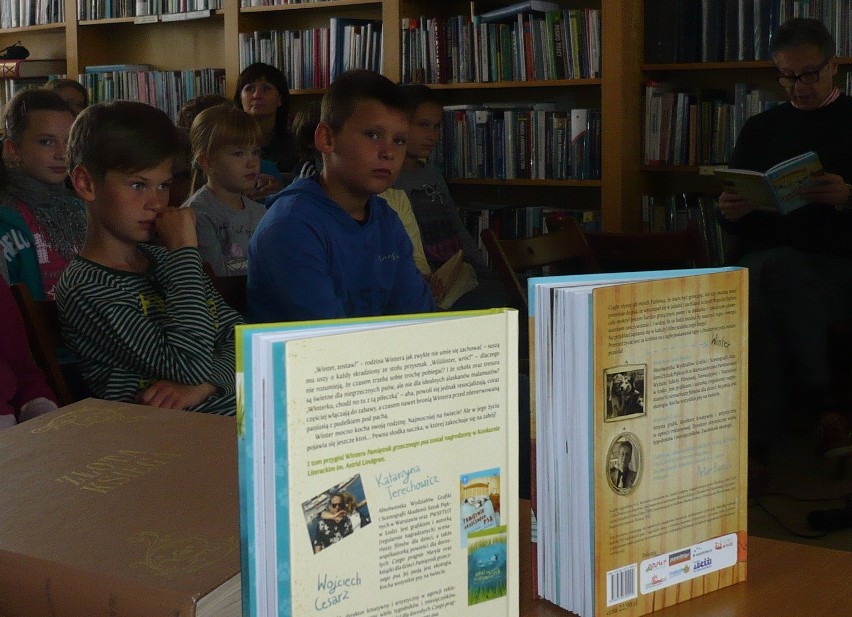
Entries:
{"x":800,"y":264}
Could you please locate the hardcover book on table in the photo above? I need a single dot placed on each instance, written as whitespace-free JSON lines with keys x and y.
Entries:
{"x":379,"y":465}
{"x":117,"y":509}
{"x":640,"y":418}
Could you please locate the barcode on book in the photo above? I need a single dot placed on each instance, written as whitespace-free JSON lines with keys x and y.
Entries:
{"x":621,"y":585}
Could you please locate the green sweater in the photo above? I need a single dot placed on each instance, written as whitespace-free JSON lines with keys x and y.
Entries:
{"x":129,"y":330}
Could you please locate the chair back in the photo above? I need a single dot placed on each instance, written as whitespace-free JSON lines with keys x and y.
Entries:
{"x":41,"y":320}
{"x":563,"y":251}
{"x":663,"y":250}
{"x":231,"y":288}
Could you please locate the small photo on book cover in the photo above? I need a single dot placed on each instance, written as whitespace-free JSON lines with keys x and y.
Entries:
{"x":480,"y":502}
{"x":336,"y":513}
{"x":625,"y":392}
{"x":624,"y":463}
{"x":486,"y":565}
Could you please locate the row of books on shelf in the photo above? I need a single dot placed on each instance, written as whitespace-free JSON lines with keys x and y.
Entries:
{"x":21,"y":13}
{"x":166,"y":90}
{"x":733,"y":30}
{"x":697,"y":127}
{"x":530,"y":46}
{"x":676,"y":211}
{"x":109,"y":9}
{"x":312,"y":58}
{"x":520,"y":141}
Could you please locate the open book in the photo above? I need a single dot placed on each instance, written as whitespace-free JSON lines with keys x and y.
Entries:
{"x":640,"y":420}
{"x":378,"y":465}
{"x":457,"y":277}
{"x":778,"y":188}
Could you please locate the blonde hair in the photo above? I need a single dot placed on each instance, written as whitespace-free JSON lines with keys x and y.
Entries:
{"x":219,"y":127}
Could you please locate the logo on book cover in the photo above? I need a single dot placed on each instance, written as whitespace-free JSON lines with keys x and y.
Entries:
{"x":680,"y":557}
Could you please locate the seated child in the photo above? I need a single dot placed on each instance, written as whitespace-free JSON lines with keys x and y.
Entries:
{"x":441,"y":227}
{"x":144,"y":320}
{"x":72,"y":92}
{"x":225,"y":148}
{"x":329,"y":247}
{"x":42,"y":223}
{"x":24,"y":393}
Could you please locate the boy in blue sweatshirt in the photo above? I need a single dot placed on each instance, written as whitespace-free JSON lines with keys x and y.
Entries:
{"x":329,"y":247}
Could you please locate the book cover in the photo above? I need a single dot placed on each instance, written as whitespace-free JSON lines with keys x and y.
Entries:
{"x":778,"y":188}
{"x":118,"y":509}
{"x":640,"y":417}
{"x":409,"y":424}
{"x":21,"y":69}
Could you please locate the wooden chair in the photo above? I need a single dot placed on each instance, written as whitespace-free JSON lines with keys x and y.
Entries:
{"x":630,"y":252}
{"x":231,"y":288}
{"x":41,"y":320}
{"x":563,"y":251}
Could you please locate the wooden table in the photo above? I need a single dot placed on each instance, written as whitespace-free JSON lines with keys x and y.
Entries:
{"x":785,"y":579}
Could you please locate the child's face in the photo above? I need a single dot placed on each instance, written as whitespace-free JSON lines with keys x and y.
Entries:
{"x":233,"y":168}
{"x":124,"y":205}
{"x":425,"y":130}
{"x":41,"y":151}
{"x":367,"y":154}
{"x":260,"y":99}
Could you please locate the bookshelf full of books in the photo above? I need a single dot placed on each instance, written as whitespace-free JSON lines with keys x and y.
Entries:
{"x":581,"y":56}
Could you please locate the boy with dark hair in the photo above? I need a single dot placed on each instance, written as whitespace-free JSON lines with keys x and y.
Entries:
{"x":329,"y":247}
{"x":144,"y":320}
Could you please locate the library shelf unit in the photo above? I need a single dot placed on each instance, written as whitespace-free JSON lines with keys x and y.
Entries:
{"x":213,"y":41}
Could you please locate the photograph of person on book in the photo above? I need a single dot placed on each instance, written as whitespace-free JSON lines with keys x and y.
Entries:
{"x":625,"y":393}
{"x":336,"y":513}
{"x":144,"y":320}
{"x":329,"y":247}
{"x":800,"y":264}
{"x":623,"y":460}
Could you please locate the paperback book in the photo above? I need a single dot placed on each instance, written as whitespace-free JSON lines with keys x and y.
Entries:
{"x":378,"y":464}
{"x":778,"y":189}
{"x":640,"y":419}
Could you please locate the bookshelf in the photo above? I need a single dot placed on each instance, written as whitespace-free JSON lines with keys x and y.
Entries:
{"x":213,"y":41}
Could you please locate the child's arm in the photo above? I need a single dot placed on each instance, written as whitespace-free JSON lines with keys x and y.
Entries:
{"x":168,"y":336}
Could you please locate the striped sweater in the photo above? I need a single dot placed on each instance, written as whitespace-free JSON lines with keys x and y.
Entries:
{"x":130,"y":330}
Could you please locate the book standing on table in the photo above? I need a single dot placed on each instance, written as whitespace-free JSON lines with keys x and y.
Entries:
{"x":640,"y":417}
{"x":408,"y":425}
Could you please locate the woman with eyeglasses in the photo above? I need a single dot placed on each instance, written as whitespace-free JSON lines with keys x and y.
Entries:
{"x":800,"y":264}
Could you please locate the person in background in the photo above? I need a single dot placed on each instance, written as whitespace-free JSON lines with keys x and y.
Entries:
{"x":800,"y":264}
{"x":262,"y":92}
{"x":305,"y":121}
{"x":225,"y":149}
{"x":24,"y":393}
{"x":42,"y":222}
{"x":72,"y":92}
{"x":144,"y":320}
{"x":441,"y":228}
{"x":329,"y":247}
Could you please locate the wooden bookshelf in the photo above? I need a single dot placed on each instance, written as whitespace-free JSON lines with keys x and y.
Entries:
{"x":214,"y":42}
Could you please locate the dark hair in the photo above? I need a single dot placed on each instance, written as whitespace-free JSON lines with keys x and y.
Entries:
{"x":125,"y":135}
{"x":338,"y":102}
{"x":304,"y":125}
{"x":17,"y":111}
{"x":62,"y":83}
{"x":257,"y":71}
{"x":195,"y":106}
{"x":418,"y":94}
{"x":803,"y":31}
